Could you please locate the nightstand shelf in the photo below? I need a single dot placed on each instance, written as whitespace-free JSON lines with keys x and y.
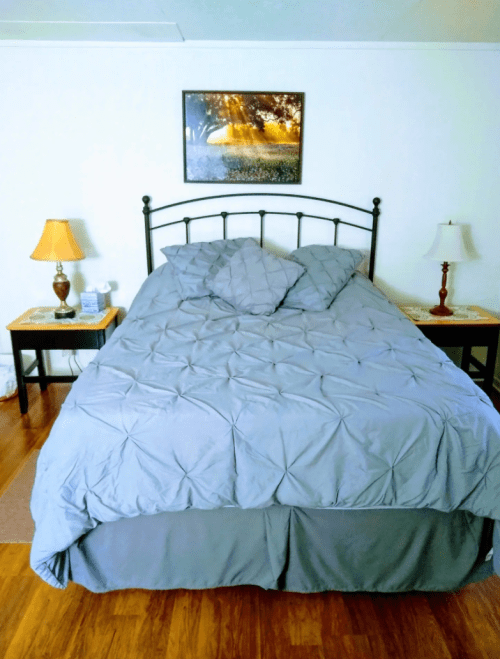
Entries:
{"x":465,"y":333}
{"x":27,"y":334}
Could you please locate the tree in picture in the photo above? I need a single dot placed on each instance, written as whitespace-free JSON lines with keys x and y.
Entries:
{"x":242,"y":137}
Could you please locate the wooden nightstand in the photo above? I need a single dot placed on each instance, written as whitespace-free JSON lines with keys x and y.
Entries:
{"x":466,"y":333}
{"x":29,"y":334}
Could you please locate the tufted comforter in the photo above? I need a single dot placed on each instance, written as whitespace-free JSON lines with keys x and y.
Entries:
{"x":194,"y":405}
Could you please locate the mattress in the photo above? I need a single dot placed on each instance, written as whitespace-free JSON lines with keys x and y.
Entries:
{"x":192,"y":405}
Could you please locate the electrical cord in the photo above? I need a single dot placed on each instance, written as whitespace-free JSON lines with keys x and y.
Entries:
{"x":76,"y":363}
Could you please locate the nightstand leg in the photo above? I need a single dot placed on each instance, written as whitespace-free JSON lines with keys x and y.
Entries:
{"x":21,"y":386}
{"x":489,"y":368}
{"x":41,"y":370}
{"x":466,"y":352}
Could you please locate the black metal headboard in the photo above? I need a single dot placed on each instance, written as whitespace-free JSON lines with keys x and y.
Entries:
{"x":374,"y":212}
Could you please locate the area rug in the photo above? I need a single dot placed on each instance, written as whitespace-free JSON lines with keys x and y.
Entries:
{"x":16,"y":524}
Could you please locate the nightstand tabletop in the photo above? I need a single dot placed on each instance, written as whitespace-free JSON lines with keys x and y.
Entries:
{"x":486,"y":319}
{"x":23,"y":324}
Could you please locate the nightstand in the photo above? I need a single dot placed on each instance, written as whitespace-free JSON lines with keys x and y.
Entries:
{"x":36,"y":330}
{"x":481,"y":330}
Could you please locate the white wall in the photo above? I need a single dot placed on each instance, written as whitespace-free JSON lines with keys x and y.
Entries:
{"x":86,"y":131}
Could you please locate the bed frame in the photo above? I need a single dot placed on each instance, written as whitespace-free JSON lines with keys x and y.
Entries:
{"x":374,"y":212}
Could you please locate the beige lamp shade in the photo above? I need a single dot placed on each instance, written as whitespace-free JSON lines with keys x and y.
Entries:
{"x":448,"y":245}
{"x":57,"y":243}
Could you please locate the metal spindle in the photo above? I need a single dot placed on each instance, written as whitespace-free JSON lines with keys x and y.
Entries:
{"x":262,"y":213}
{"x":299,"y":225}
{"x":375,"y":213}
{"x":146,"y":210}
{"x":335,"y":235}
{"x":224,"y":224}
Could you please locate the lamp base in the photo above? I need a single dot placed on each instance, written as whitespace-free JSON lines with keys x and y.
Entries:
{"x":64,"y":313}
{"x":441,"y":310}
{"x":61,"y":287}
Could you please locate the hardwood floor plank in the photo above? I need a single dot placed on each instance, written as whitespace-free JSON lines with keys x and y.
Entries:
{"x":15,"y":593}
{"x":214,"y":631}
{"x":238,"y":620}
{"x":183,"y":636}
{"x":40,"y":627}
{"x":460,"y":631}
{"x":124,"y":630}
{"x":305,"y":619}
{"x":273,"y":622}
{"x":93,"y":629}
{"x":153,"y":633}
{"x":130,"y":606}
{"x":485,"y":626}
{"x":336,"y":619}
{"x":21,"y":434}
{"x":408,"y":626}
{"x":15,"y":560}
{"x":479,"y":605}
{"x":357,"y":647}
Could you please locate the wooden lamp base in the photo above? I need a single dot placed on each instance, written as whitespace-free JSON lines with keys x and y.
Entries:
{"x":441,"y":309}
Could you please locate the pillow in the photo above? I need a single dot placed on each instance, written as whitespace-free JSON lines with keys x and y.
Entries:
{"x":195,"y":262}
{"x":328,"y":269}
{"x":255,"y":281}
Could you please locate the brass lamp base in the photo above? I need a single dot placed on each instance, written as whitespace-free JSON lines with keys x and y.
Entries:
{"x":67,"y":312}
{"x":61,"y":288}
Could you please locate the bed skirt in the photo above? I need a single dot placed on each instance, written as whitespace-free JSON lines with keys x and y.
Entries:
{"x":286,"y":548}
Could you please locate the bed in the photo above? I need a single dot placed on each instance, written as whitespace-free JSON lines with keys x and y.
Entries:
{"x":270,"y":421}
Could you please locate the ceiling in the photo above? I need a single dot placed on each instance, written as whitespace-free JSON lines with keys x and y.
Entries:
{"x":476,"y":21}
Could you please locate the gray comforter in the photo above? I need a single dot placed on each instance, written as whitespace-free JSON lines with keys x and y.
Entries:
{"x":193,"y":405}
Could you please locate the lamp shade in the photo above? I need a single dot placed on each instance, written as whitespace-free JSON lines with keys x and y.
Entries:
{"x":448,"y":245}
{"x":57,"y":243}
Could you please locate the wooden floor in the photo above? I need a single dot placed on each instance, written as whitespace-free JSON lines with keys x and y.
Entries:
{"x":37,"y":621}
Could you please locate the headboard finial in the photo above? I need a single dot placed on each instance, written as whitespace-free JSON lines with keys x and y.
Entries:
{"x":146,"y":200}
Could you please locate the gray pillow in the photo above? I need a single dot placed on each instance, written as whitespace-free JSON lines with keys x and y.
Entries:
{"x":255,"y":281}
{"x":328,"y":269}
{"x":195,"y":262}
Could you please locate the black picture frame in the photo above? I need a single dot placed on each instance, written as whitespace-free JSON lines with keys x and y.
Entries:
{"x":243,"y":137}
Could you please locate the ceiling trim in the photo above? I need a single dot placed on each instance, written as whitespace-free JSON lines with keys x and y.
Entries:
{"x":258,"y":45}
{"x":90,"y":31}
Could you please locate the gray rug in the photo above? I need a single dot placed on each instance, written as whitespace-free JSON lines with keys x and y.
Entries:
{"x":16,"y":524}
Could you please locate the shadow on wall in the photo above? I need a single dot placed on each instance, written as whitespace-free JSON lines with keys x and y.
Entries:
{"x":83,"y":239}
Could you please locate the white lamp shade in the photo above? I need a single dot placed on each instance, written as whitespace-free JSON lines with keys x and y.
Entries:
{"x":448,"y":244}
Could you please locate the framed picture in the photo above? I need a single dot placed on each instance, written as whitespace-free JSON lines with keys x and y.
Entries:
{"x":242,"y":137}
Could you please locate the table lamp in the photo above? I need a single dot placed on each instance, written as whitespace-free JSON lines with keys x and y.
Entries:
{"x":448,"y":247}
{"x":58,"y":244}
